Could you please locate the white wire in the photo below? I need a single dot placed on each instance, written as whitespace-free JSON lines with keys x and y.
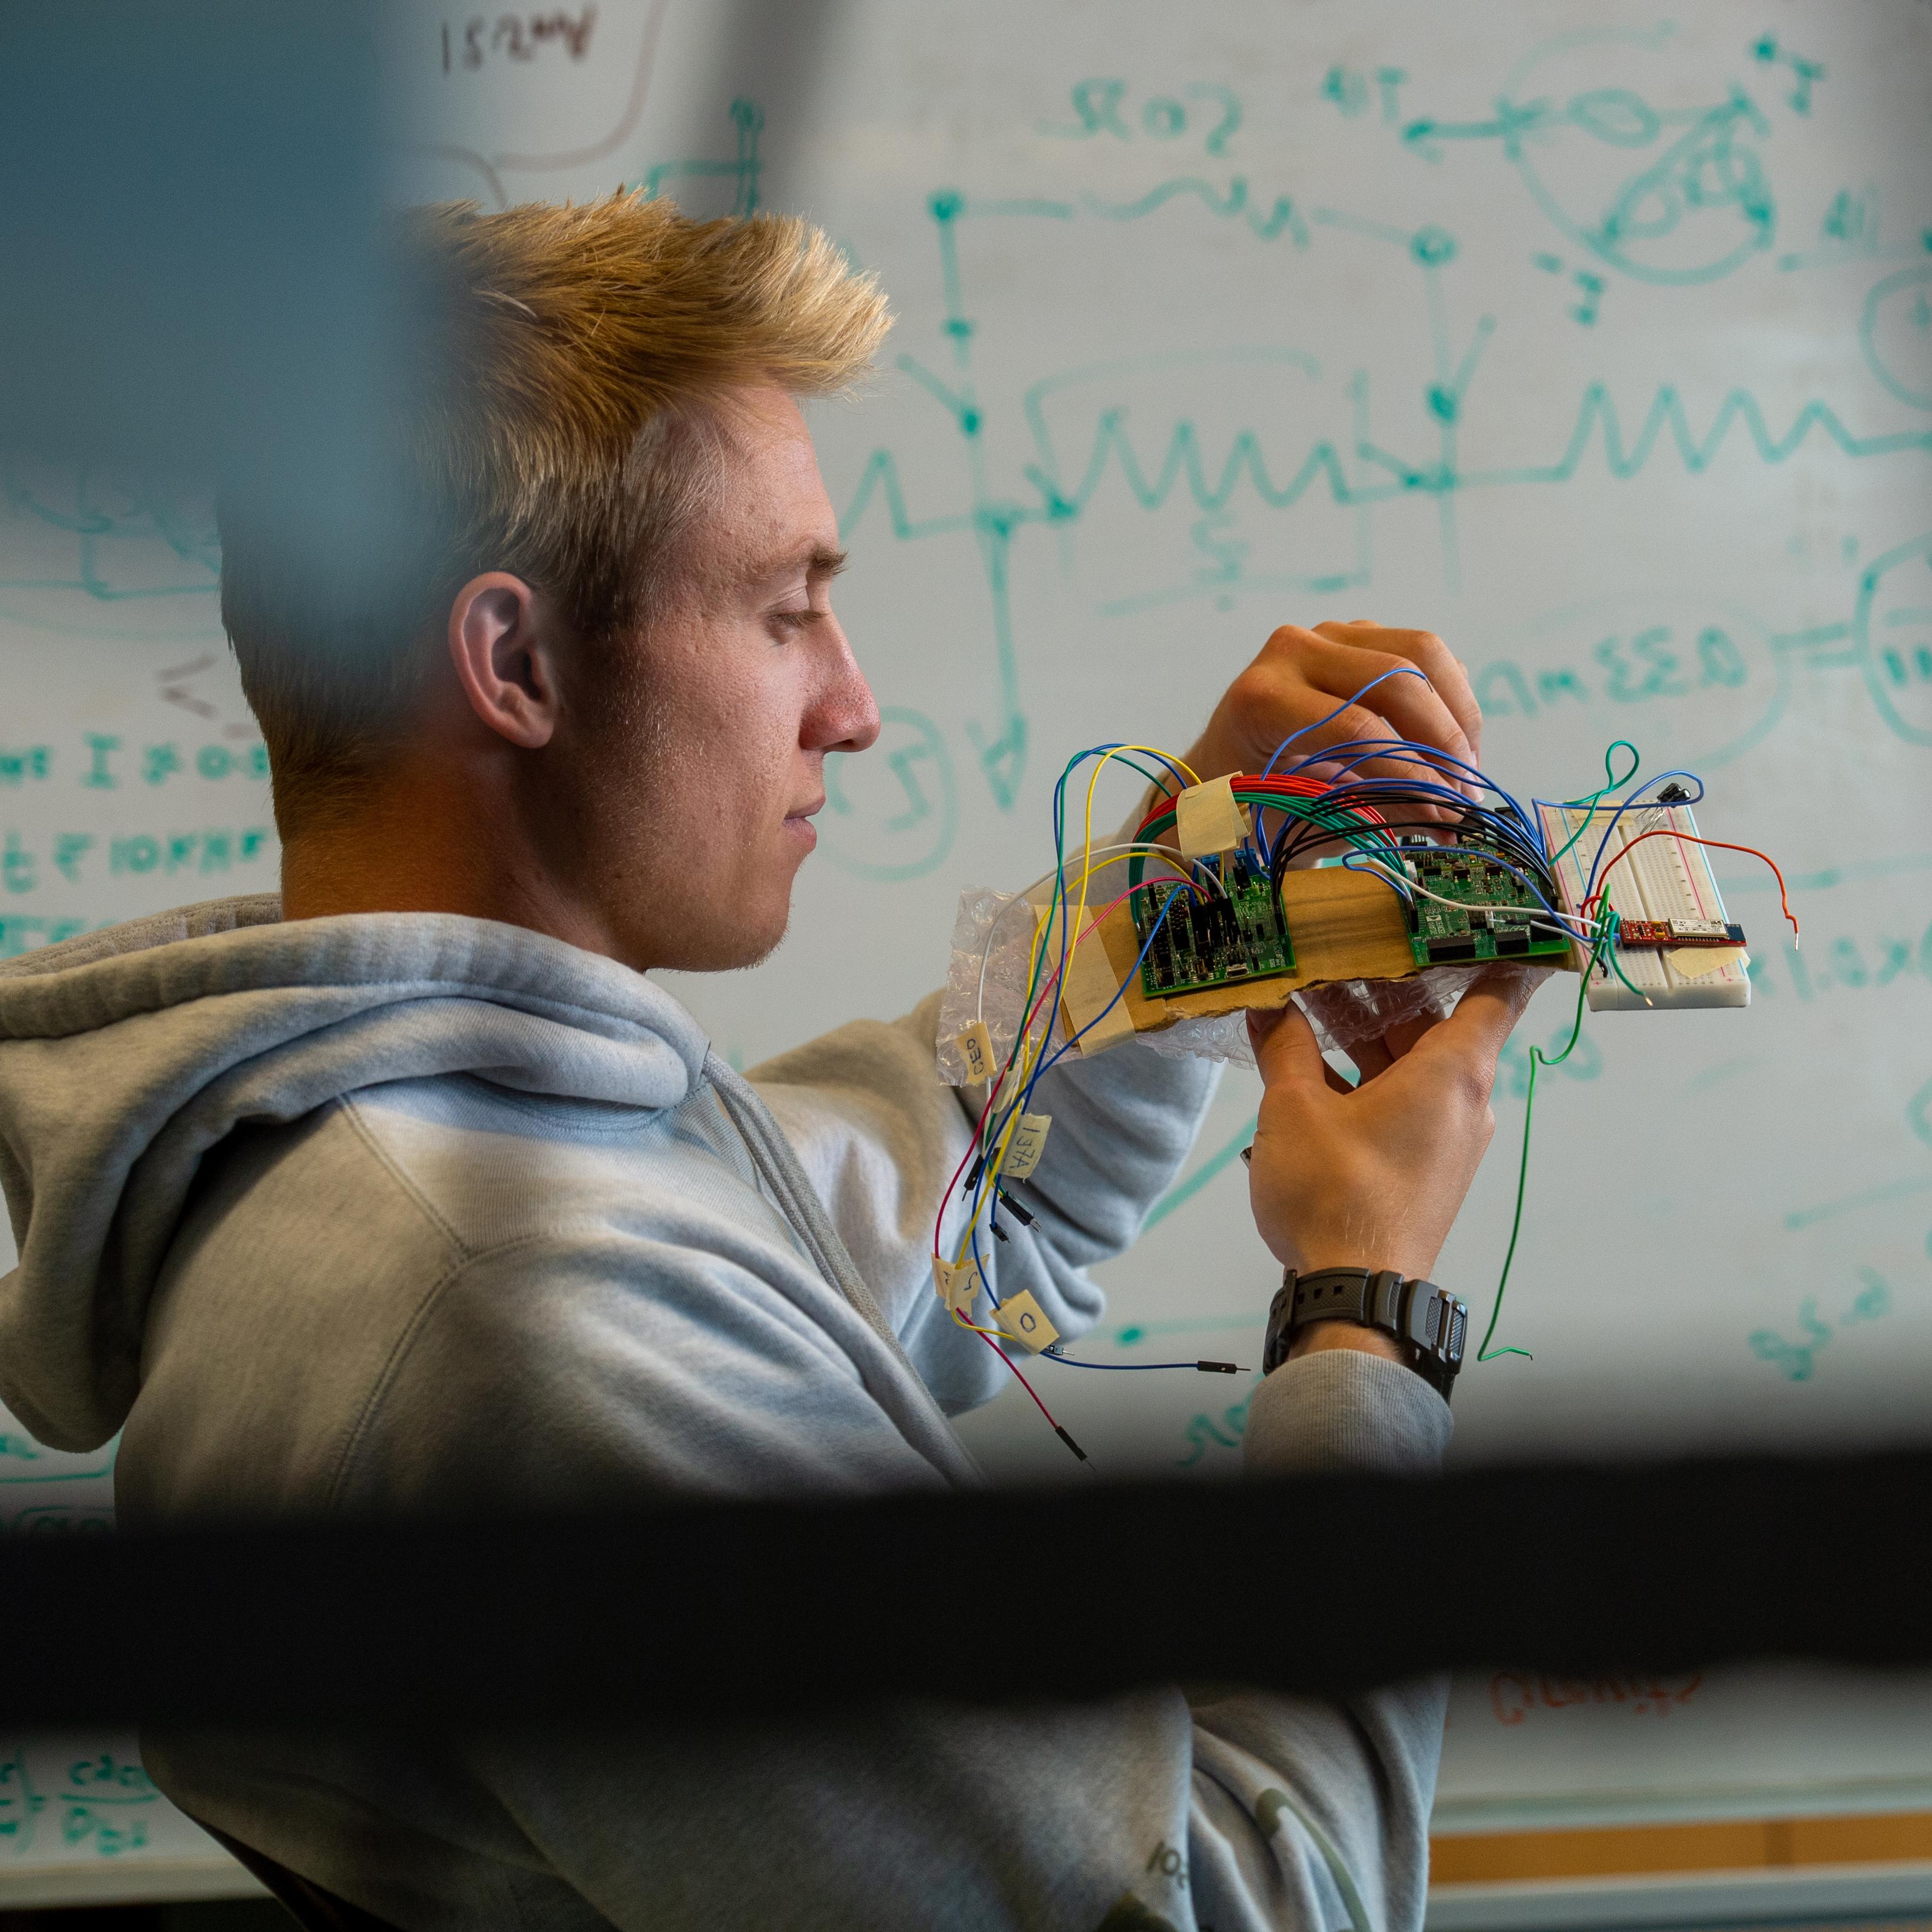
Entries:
{"x":1405,"y":884}
{"x":1025,"y":898}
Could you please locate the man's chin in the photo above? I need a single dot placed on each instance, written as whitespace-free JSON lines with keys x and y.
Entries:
{"x":725,"y":949}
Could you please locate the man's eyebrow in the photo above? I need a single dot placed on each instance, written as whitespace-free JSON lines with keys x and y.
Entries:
{"x":819,"y":561}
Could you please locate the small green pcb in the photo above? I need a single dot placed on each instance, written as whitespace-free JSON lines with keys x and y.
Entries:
{"x":1495,"y":915}
{"x":1210,"y":939}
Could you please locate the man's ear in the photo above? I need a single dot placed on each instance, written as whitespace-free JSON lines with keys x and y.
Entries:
{"x":502,"y":648}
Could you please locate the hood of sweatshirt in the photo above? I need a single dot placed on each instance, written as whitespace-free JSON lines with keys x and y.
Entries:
{"x":125,"y":1054}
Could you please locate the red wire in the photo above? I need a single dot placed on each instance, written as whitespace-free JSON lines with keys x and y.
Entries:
{"x":1287,"y":788}
{"x":978,"y":1128}
{"x":945,"y":1194}
{"x":1017,"y":1376}
{"x":1723,"y":845}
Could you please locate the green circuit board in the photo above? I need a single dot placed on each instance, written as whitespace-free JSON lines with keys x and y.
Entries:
{"x":1495,"y":915}
{"x":1210,"y":940}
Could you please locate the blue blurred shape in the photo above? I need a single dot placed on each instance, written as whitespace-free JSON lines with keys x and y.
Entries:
{"x":189,"y":236}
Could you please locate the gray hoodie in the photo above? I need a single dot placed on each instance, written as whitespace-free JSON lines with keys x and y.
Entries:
{"x":410,"y":1212}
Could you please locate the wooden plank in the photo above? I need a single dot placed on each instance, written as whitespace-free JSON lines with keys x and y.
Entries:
{"x":1719,"y":1845}
{"x":1615,"y":1851}
{"x":1343,"y":925}
{"x":129,"y":1879}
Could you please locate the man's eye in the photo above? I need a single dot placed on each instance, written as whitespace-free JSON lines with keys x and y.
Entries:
{"x":795,"y":620}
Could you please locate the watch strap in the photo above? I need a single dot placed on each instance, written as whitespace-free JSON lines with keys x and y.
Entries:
{"x":1433,"y":1322}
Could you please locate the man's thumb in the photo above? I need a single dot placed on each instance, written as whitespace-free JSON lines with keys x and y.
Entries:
{"x":1285,"y":1047}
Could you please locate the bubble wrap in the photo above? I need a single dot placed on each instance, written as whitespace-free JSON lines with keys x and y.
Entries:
{"x":982,"y":917}
{"x":1343,"y":1013}
{"x":1347,"y":1012}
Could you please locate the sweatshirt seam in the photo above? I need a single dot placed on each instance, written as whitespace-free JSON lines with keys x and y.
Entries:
{"x":636,"y":1115}
{"x":400,"y":1349}
{"x":400,"y":1175}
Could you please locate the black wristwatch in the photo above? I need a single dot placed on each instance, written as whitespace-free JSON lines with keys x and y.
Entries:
{"x":1430,"y":1320}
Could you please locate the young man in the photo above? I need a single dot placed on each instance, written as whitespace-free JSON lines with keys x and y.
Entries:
{"x":411,"y":1191}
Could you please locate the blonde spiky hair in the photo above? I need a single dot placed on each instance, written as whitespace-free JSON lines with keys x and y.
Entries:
{"x":558,"y":421}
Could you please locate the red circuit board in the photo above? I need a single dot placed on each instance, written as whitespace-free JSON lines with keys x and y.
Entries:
{"x":1679,"y":932}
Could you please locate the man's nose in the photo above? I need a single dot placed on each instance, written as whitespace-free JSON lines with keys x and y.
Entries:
{"x":845,"y":717}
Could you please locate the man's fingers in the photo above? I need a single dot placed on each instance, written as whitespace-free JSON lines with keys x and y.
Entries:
{"x":1371,"y":1057}
{"x":1411,"y":706}
{"x":1284,"y":1050}
{"x":1423,"y":649}
{"x":1488,"y":1012}
{"x":1403,"y":1035}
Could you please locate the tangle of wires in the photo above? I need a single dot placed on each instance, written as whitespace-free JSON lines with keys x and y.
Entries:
{"x":1297,"y":807}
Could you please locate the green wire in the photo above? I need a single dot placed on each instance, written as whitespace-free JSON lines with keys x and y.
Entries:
{"x":1617,"y":920}
{"x":1537,"y":1058}
{"x":1368,"y":839}
{"x":1163,"y":779}
{"x":1363,"y":838}
{"x":1590,"y":802}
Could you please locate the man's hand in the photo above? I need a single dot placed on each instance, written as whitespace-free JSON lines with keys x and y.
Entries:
{"x":1301,"y":676}
{"x":1373,"y":1176}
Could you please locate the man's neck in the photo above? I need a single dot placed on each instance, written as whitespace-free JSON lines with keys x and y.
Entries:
{"x":421,"y":843}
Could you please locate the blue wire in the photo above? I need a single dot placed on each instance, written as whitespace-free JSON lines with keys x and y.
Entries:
{"x":1631,"y":800}
{"x":1060,"y":836}
{"x":1431,"y":759}
{"x":1428,"y":755}
{"x":1369,"y":790}
{"x":1153,"y":932}
{"x":1404,"y":671}
{"x":1401,"y":670}
{"x":985,"y":1173}
{"x":1473,"y":852}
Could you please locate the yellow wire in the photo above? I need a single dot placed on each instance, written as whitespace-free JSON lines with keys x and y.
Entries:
{"x":998,"y":1334}
{"x":1087,"y":843}
{"x":1030,"y":1051}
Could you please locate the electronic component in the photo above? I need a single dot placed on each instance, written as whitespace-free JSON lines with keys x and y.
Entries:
{"x":1210,"y":937}
{"x":1492,"y":914}
{"x":1679,"y":932}
{"x":1643,"y":861}
{"x":1321,"y":869}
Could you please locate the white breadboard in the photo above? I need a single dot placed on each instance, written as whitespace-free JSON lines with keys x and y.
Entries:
{"x":1662,"y":879}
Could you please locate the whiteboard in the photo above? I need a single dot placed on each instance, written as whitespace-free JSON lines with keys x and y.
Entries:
{"x":1597,"y":340}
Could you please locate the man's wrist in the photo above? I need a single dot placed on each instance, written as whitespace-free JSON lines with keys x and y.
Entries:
{"x":1426,"y":1325}
{"x":1367,"y":1341}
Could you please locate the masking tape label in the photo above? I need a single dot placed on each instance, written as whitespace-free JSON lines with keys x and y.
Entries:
{"x":958,"y":1287}
{"x":975,"y":1049}
{"x":1025,"y":1321}
{"x":1207,"y":819}
{"x":1087,"y":988}
{"x":1023,"y":1149}
{"x":1693,"y":962}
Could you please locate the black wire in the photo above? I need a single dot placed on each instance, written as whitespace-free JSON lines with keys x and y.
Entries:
{"x":1136,"y":1368}
{"x":1477,"y":823}
{"x":1306,"y":835}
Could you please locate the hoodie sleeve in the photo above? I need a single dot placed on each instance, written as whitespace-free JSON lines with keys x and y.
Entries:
{"x":881,"y":1135}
